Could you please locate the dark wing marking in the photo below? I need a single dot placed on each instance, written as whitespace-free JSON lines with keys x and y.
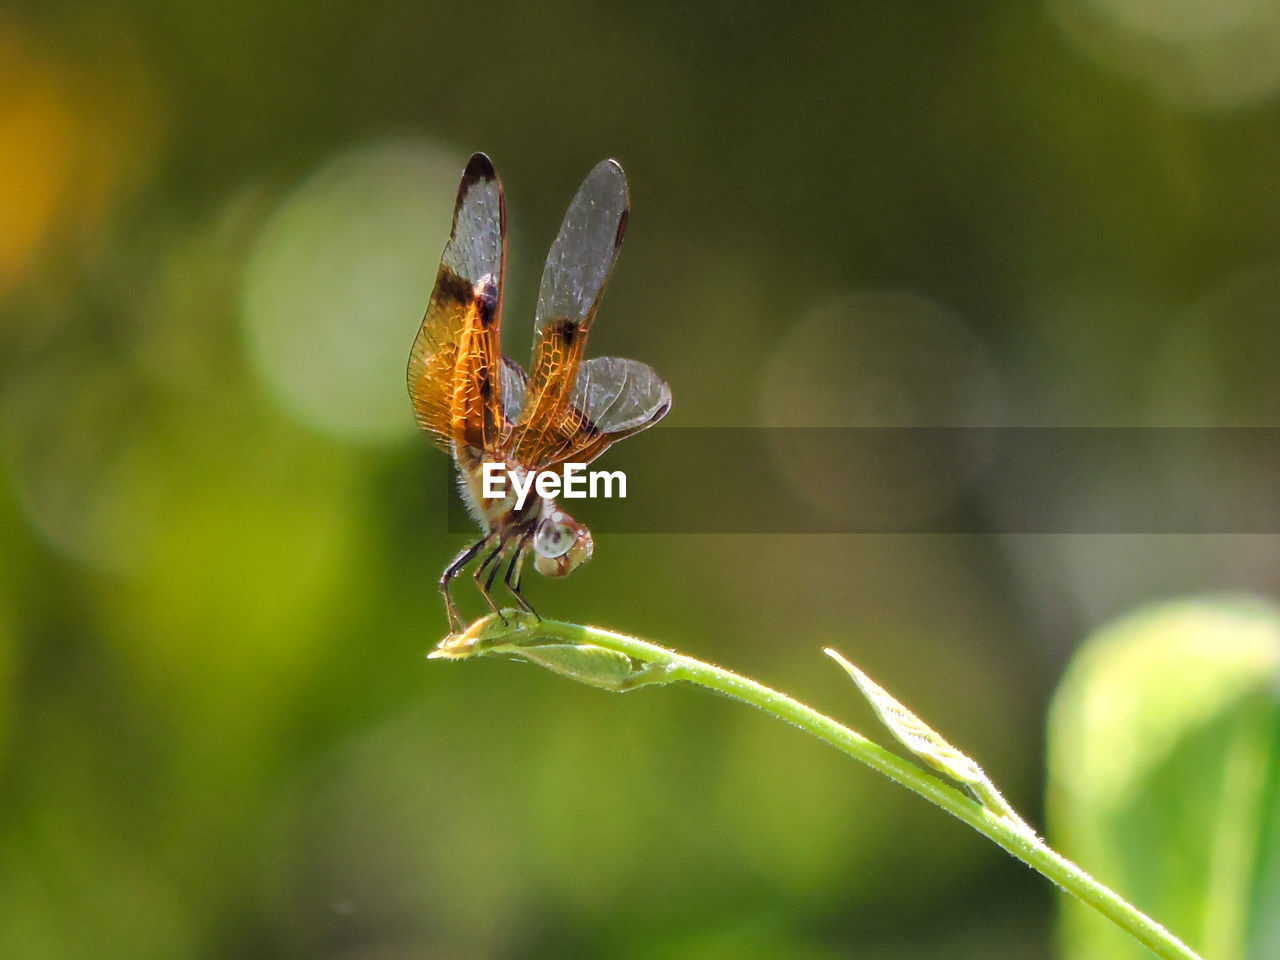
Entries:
{"x":453,"y":374}
{"x":613,"y":398}
{"x":577,"y":269}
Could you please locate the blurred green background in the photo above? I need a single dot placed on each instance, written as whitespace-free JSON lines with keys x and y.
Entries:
{"x":220,"y":530}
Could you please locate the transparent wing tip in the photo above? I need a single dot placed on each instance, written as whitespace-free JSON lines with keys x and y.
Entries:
{"x":610,"y":172}
{"x":606,"y":185}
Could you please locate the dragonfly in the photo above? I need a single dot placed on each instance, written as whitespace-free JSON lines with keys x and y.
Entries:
{"x":482,"y":407}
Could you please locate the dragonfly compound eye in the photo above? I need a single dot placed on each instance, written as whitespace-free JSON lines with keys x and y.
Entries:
{"x":553,"y":539}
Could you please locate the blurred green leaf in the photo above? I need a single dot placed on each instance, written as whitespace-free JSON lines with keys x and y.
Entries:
{"x":1163,"y":776}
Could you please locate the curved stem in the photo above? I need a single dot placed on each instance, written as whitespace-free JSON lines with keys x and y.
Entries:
{"x":655,"y":664}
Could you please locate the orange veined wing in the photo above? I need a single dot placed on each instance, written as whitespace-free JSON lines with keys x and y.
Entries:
{"x":577,"y":269}
{"x":613,"y":398}
{"x":455,"y":367}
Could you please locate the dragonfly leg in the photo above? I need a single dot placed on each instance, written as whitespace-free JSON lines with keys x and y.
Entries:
{"x":494,"y":554}
{"x":493,"y":574}
{"x":451,"y":571}
{"x":512,"y":579}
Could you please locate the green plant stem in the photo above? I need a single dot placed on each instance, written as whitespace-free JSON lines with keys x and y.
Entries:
{"x":1002,"y":826}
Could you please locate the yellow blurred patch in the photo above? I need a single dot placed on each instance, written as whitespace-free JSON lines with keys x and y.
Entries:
{"x":75,"y":137}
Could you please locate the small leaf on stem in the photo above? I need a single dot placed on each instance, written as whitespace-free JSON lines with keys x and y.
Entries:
{"x":910,"y":730}
{"x":521,"y":636}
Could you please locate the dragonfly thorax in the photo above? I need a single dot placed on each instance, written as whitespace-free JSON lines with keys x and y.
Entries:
{"x":505,"y":511}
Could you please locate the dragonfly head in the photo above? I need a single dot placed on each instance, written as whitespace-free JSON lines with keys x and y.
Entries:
{"x":560,"y":544}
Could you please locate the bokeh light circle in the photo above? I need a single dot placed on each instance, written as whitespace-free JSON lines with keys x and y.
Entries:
{"x":338,"y":280}
{"x":1219,"y":361}
{"x":1198,"y":54}
{"x":72,"y":431}
{"x":880,"y":358}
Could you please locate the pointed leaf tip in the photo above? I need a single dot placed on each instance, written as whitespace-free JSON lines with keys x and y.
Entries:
{"x":912,"y":732}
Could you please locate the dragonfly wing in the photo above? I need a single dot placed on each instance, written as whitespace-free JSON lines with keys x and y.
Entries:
{"x":453,"y":375}
{"x":577,"y":268}
{"x":514,"y":383}
{"x":613,"y":398}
